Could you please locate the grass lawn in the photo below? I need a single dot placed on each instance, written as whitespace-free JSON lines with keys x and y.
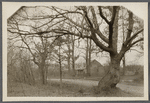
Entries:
{"x":124,"y":80}
{"x":52,"y":90}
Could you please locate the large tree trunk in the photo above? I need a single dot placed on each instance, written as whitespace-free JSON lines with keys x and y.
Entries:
{"x":43,"y":77}
{"x":112,"y":77}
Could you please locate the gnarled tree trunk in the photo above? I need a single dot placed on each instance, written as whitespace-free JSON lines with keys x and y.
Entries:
{"x":112,"y":77}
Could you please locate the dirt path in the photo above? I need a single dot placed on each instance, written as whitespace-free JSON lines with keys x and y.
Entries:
{"x":127,"y":88}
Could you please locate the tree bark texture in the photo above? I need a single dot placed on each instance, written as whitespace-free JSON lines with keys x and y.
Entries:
{"x":112,"y":77}
{"x":43,"y":74}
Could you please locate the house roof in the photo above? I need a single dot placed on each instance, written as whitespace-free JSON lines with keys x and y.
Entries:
{"x":95,"y":62}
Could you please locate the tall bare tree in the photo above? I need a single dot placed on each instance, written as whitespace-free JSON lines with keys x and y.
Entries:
{"x":73,"y":55}
{"x":38,"y":44}
{"x":88,"y":56}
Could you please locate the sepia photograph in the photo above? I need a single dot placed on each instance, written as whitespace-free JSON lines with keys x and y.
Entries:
{"x":62,"y":51}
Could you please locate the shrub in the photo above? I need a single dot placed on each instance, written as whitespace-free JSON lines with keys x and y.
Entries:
{"x":137,"y":69}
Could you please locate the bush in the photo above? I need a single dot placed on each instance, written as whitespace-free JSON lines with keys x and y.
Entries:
{"x":136,"y":69}
{"x":139,"y":79}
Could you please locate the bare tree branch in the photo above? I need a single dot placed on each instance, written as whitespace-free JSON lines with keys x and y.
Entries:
{"x":98,"y":43}
{"x":70,"y":19}
{"x":114,"y":14}
{"x":101,"y":14}
{"x":141,"y":39}
{"x":131,"y":38}
{"x":102,"y":36}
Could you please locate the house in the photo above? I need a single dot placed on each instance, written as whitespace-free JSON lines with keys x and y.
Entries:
{"x":96,"y":69}
{"x":80,"y":69}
